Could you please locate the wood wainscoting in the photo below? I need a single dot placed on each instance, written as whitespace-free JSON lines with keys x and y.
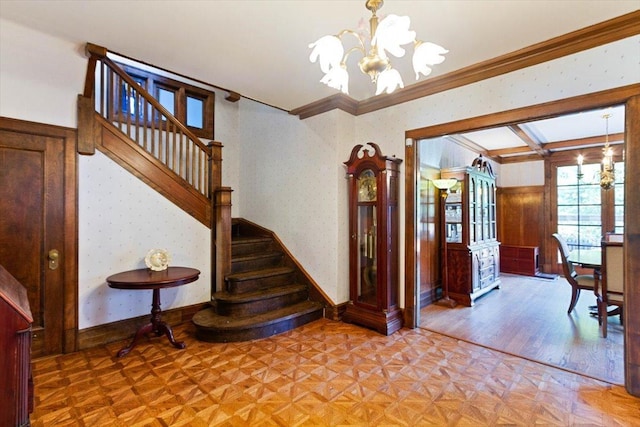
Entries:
{"x":520,"y":216}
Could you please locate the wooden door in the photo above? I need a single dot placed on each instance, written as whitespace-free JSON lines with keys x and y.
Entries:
{"x":32,"y":223}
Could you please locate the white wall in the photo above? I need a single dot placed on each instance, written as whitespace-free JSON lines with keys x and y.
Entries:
{"x":291,"y":175}
{"x":120,"y":221}
{"x":287,"y":174}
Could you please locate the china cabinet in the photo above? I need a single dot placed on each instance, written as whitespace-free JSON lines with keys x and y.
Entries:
{"x":373,"y":243}
{"x":473,"y":251}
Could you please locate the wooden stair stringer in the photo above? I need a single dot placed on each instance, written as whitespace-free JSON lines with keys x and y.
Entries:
{"x":129,"y":155}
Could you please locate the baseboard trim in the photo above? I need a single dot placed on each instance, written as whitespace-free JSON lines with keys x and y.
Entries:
{"x":335,"y":312}
{"x":125,"y":329}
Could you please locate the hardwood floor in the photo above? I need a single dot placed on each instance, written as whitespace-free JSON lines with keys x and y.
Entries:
{"x":528,"y":317}
{"x":325,"y":373}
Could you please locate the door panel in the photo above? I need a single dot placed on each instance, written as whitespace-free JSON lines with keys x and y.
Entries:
{"x":32,"y":223}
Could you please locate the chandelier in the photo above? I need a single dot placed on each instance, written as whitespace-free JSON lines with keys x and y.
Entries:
{"x":386,"y":37}
{"x":607,"y":171}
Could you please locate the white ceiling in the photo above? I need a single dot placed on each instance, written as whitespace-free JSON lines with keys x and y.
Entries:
{"x":260,"y":48}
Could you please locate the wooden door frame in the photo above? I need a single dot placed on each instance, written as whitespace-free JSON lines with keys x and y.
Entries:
{"x":69,"y":262}
{"x":628,"y":95}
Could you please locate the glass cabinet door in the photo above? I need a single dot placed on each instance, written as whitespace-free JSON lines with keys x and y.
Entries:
{"x":473,"y":214}
{"x":453,"y":215}
{"x":367,"y":288}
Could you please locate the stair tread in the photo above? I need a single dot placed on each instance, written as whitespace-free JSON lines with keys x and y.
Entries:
{"x":257,"y":274}
{"x":209,"y":319}
{"x":258,"y":255}
{"x":258,"y":294}
{"x":249,"y":239}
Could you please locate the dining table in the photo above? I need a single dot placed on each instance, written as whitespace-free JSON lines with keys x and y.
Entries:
{"x":587,"y":258}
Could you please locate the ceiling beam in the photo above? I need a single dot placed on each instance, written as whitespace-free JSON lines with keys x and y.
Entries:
{"x":508,"y":151}
{"x":533,"y":145}
{"x":518,"y":159}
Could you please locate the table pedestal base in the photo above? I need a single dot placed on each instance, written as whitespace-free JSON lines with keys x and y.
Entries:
{"x":156,"y":325}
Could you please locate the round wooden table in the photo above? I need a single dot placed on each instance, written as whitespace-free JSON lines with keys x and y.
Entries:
{"x":156,"y":280}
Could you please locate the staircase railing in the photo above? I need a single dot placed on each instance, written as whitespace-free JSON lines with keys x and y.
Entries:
{"x":120,"y":100}
{"x":124,"y":105}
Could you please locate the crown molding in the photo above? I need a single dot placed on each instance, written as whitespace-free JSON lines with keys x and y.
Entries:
{"x":586,"y":38}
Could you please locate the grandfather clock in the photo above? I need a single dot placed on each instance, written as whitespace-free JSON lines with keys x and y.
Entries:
{"x":373,"y":244}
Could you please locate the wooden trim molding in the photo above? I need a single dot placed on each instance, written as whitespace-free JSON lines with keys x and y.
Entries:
{"x":590,"y":101}
{"x":586,"y":38}
{"x":629,"y":95}
{"x":632,"y":247}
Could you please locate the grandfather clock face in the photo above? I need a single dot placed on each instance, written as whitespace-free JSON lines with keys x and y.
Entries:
{"x":367,"y":186}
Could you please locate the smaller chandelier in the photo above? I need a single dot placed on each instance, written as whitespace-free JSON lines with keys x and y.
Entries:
{"x":385,"y":38}
{"x":607,"y":171}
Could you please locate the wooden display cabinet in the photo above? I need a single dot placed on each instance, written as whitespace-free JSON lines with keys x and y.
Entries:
{"x":473,"y":251}
{"x":373,"y":244}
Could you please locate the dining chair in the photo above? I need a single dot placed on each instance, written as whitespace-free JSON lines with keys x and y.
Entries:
{"x":610,"y":291}
{"x":577,"y":281}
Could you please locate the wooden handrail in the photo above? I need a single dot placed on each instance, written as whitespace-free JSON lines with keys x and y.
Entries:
{"x":98,"y":53}
{"x":144,"y":120}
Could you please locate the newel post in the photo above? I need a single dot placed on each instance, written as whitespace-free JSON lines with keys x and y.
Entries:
{"x":222,"y":239}
{"x":88,"y":130}
{"x":220,"y":219}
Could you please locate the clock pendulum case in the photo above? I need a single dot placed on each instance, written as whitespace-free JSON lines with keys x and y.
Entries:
{"x":373,"y":240}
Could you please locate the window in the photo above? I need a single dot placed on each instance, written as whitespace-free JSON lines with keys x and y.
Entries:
{"x":192,"y":105}
{"x":195,"y":112}
{"x":167,"y":98}
{"x":582,"y":206}
{"x":131,"y":103}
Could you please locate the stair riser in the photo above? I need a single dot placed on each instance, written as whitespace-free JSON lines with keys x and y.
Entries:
{"x":260,"y":306}
{"x":252,"y":333}
{"x":239,"y":249}
{"x":255,"y":264}
{"x":238,"y":287}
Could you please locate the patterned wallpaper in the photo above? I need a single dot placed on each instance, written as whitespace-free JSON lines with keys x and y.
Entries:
{"x":121,"y":219}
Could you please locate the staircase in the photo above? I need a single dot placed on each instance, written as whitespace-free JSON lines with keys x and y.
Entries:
{"x":265,"y":290}
{"x":265,"y":294}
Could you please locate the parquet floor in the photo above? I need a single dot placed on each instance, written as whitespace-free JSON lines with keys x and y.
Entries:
{"x":323,"y":374}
